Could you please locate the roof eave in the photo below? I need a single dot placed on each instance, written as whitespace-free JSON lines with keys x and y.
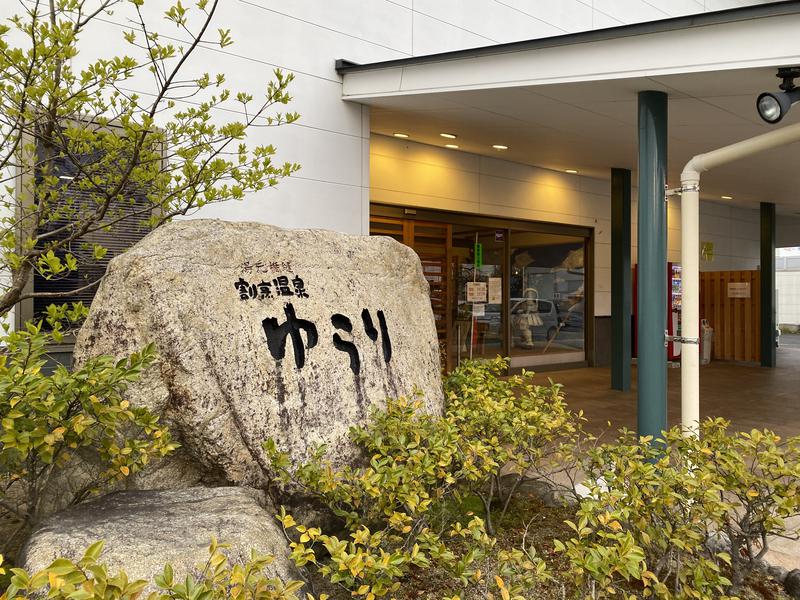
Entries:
{"x":733,"y":15}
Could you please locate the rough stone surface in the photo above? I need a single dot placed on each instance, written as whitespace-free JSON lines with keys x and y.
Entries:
{"x":778,"y":573}
{"x":792,"y":583}
{"x":219,"y":384}
{"x":144,"y":530}
{"x":551,"y":495}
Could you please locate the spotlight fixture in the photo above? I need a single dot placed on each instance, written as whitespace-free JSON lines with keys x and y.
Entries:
{"x":727,"y":197}
{"x":773,"y":106}
{"x":451,"y":146}
{"x":400,"y":135}
{"x":571,"y":171}
{"x":449,"y":136}
{"x":500,"y":147}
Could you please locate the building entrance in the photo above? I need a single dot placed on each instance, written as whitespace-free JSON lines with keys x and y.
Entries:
{"x":500,"y":287}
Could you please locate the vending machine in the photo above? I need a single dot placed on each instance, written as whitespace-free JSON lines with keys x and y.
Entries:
{"x":674,"y":291}
{"x":673,"y":302}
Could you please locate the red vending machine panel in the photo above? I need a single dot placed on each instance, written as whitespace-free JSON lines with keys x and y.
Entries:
{"x":674,"y":289}
{"x":673,"y":302}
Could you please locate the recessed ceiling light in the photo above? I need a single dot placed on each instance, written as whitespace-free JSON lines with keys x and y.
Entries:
{"x":727,"y":197}
{"x":453,"y":146}
{"x":400,"y":135}
{"x":571,"y":171}
{"x":500,"y":147}
{"x":449,"y":136}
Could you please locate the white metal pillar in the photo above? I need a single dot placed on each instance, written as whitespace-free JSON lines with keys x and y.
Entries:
{"x":690,"y":250}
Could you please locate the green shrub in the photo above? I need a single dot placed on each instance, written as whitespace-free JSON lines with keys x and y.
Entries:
{"x":402,"y":509}
{"x":647,"y":519}
{"x":651,"y":525}
{"x":508,"y":424}
{"x":87,"y":579}
{"x":47,"y":420}
{"x":757,"y":475}
{"x":657,"y":512}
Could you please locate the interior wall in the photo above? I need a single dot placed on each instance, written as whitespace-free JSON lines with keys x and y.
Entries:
{"x":417,"y":175}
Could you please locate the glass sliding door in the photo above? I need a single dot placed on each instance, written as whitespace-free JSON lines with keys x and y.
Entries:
{"x":546,"y":305}
{"x":478,"y":261}
{"x":501,"y":287}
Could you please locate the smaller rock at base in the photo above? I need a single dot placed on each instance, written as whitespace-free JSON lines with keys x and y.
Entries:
{"x":792,"y":583}
{"x":778,"y":573}
{"x":761,"y":566}
{"x":144,"y":530}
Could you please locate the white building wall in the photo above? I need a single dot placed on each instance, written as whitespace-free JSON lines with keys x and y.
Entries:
{"x":331,"y":141}
{"x":788,"y":285}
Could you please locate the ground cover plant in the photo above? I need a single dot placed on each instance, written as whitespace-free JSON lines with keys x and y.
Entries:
{"x":675,"y":518}
{"x":74,"y":427}
{"x":442,"y":507}
{"x":89,"y":579}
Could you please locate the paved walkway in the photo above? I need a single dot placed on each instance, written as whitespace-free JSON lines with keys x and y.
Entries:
{"x":749,"y":396}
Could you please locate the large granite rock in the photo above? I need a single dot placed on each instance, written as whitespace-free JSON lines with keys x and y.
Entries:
{"x":145,"y":530}
{"x":265,"y":332}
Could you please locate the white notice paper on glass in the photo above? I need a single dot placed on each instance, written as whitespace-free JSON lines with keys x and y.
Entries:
{"x":478,"y":310}
{"x":476,"y":291}
{"x":495,"y":290}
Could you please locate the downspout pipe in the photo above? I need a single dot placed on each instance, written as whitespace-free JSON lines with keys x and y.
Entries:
{"x":690,"y":258}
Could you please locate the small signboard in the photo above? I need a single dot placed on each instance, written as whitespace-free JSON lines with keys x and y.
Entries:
{"x":478,"y":255}
{"x":495,"y":290}
{"x":738,"y":289}
{"x":476,"y":291}
{"x":478,"y":310}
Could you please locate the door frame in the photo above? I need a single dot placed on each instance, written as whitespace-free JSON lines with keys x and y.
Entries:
{"x":493,"y":222}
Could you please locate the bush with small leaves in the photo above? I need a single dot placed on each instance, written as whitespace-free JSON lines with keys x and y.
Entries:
{"x":655,"y":508}
{"x":88,"y":579}
{"x":401,"y":510}
{"x":48,"y":419}
{"x":392,"y":509}
{"x":374,"y":564}
{"x":509,"y":424}
{"x":647,"y":519}
{"x":757,"y":476}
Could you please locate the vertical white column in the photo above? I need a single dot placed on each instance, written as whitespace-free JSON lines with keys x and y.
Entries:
{"x":690,"y":306}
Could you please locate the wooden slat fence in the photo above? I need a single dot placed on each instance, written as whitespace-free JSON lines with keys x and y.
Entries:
{"x":736,"y":322}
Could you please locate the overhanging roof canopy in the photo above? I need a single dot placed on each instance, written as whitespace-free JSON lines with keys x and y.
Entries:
{"x":570,"y":101}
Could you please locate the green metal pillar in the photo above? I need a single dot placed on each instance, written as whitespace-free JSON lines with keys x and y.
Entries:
{"x":652,"y":270}
{"x":621,"y":297}
{"x":768,"y":358}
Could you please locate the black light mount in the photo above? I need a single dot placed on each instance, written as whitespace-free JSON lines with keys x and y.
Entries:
{"x":773,"y":106}
{"x":788,"y":75}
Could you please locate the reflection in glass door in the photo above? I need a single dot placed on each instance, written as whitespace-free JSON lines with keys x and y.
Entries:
{"x":547,"y":298}
{"x":478,"y":260}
